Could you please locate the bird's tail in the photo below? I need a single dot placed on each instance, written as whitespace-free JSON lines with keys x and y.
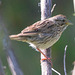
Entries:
{"x":16,"y":37}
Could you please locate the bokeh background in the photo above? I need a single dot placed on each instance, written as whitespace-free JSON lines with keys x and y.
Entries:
{"x":18,"y":14}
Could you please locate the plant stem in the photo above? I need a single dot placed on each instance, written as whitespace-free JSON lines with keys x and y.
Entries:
{"x":46,"y":13}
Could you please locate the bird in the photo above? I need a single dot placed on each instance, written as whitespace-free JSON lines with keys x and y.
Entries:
{"x":44,"y":33}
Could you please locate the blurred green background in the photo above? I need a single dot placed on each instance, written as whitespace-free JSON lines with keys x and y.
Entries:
{"x":18,"y":14}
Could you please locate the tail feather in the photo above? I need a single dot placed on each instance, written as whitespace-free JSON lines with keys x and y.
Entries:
{"x":14,"y":37}
{"x":17,"y":37}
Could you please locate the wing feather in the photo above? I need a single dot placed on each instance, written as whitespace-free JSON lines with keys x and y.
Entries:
{"x":36,"y":28}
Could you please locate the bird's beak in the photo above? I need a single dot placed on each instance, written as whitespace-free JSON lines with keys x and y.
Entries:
{"x":69,"y":23}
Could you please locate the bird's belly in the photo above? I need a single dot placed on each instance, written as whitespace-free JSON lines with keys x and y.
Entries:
{"x":47,"y":44}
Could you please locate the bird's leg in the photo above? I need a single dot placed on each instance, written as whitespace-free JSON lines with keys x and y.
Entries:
{"x":46,"y":58}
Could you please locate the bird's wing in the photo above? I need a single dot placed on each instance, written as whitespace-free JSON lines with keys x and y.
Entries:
{"x":36,"y":28}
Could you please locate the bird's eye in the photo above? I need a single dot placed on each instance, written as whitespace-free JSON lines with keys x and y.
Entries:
{"x":63,"y":20}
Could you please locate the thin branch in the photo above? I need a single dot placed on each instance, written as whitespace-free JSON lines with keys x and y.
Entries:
{"x":74,"y":7}
{"x":45,"y":65}
{"x":46,"y":9}
{"x":46,"y":13}
{"x":53,"y":8}
{"x":73,"y":71}
{"x":55,"y":71}
{"x":14,"y":67}
{"x":65,"y":59}
{"x":74,"y":4}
